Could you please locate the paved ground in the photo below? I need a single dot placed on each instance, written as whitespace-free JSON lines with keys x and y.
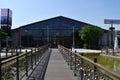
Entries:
{"x":57,"y":68}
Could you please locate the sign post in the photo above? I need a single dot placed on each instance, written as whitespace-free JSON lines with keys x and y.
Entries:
{"x":112,"y":21}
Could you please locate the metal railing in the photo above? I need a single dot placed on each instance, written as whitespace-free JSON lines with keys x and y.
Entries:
{"x":110,"y":51}
{"x":21,"y":65}
{"x":9,"y":52}
{"x":85,"y":68}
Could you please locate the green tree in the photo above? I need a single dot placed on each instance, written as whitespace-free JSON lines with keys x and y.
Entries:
{"x":2,"y":36}
{"x":91,"y":36}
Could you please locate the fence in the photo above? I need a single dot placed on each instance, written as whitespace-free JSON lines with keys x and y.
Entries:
{"x":20,"y":65}
{"x":9,"y":52}
{"x":110,"y":51}
{"x":85,"y":68}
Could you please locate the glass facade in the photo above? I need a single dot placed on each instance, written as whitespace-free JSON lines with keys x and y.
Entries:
{"x":58,"y":30}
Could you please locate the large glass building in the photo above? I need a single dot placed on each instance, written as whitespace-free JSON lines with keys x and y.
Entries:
{"x":6,"y":20}
{"x":5,"y":25}
{"x":57,"y":30}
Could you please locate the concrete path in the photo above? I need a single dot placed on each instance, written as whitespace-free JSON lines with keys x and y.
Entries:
{"x":57,"y":68}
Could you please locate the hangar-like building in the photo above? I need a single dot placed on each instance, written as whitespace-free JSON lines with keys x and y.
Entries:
{"x":57,"y":30}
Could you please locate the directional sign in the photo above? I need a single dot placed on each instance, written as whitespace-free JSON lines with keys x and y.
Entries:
{"x":111,"y":21}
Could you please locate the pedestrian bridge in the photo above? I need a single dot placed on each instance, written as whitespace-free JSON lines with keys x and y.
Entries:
{"x":44,"y":63}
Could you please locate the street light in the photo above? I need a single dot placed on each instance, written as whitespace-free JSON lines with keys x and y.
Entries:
{"x":19,"y":37}
{"x":27,"y":37}
{"x":73,"y":44}
{"x":47,"y":34}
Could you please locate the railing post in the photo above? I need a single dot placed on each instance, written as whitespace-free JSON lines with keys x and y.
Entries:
{"x":95,"y":60}
{"x":71,"y":61}
{"x":17,"y":59}
{"x":0,"y":67}
{"x":81,"y":70}
{"x":35,"y":56}
{"x":68,"y":57}
{"x":31,"y":59}
{"x":75,"y":61}
{"x":11,"y":51}
{"x":16,"y":51}
{"x":6,"y":52}
{"x":101,"y":50}
{"x":20,"y":49}
{"x":38,"y":54}
{"x":26,"y":63}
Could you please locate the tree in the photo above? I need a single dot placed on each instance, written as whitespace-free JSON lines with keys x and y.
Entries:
{"x":78,"y":41}
{"x":91,"y":36}
{"x":2,"y":36}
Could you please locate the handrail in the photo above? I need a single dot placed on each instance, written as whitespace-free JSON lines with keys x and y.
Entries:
{"x":28,"y":61}
{"x":110,"y":72}
{"x":19,"y":55}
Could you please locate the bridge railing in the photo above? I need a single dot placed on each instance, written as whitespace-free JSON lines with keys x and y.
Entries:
{"x":20,"y":65}
{"x":85,"y":68}
{"x":7,"y":52}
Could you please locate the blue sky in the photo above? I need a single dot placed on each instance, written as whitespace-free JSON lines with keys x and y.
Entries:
{"x":89,"y":11}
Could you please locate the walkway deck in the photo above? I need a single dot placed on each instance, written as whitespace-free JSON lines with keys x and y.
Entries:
{"x":57,"y":68}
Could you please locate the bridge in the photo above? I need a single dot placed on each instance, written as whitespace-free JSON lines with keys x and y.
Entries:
{"x":44,"y":63}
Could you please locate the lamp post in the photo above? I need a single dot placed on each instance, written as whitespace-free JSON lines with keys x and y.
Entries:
{"x":0,"y":40}
{"x":73,"y":44}
{"x":19,"y":37}
{"x":47,"y":34}
{"x":27,"y":37}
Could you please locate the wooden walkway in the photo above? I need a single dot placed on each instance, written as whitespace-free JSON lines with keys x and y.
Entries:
{"x":57,"y":68}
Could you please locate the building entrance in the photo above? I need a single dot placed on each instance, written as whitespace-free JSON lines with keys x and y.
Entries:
{"x":60,"y":40}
